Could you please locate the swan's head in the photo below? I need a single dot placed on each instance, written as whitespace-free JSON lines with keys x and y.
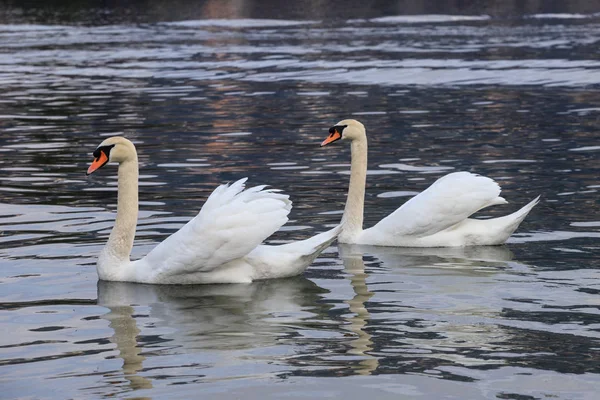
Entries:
{"x":114,"y":149}
{"x":348,"y":129}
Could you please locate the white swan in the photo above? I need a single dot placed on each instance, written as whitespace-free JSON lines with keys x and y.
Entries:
{"x":437,"y":217}
{"x":222,"y":244}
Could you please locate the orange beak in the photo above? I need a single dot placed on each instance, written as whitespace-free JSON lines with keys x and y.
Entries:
{"x":97,"y":163}
{"x":335,"y":135}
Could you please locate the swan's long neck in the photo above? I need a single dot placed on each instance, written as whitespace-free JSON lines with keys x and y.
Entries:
{"x":353,"y":213}
{"x":120,"y":242}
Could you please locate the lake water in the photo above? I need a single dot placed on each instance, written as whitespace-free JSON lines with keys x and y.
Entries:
{"x":511,"y":94}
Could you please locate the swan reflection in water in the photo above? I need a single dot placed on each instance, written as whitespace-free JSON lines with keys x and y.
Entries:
{"x":122,"y":322}
{"x":228,"y":323}
{"x":206,"y":318}
{"x":419,"y":290}
{"x":362,"y":344}
{"x":466,"y":259}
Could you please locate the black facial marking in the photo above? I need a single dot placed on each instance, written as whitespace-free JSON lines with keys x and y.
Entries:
{"x":338,"y":128}
{"x":103,"y":149}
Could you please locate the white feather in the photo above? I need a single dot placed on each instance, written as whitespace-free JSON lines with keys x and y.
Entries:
{"x":222,"y":244}
{"x":450,"y":199}
{"x":230,"y":225}
{"x":437,"y":217}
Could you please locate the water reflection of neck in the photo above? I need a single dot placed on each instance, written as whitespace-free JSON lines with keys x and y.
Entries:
{"x":355,"y":266}
{"x":125,"y":337}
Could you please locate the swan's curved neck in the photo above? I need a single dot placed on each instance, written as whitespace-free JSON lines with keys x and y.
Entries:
{"x":120,"y":242}
{"x":353,"y":213}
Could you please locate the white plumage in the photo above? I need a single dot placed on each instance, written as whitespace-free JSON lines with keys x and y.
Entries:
{"x":222,"y":244}
{"x":437,"y":217}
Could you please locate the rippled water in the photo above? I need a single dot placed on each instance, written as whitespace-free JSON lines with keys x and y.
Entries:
{"x":209,"y":101}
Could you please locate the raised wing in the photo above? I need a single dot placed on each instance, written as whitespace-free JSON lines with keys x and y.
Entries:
{"x":232,"y":222}
{"x":450,"y":200}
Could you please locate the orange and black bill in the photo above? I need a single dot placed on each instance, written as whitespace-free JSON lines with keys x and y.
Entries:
{"x":335,"y":133}
{"x":101,"y":156}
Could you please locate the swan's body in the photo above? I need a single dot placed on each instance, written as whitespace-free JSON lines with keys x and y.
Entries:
{"x":222,"y":244}
{"x":437,"y":217}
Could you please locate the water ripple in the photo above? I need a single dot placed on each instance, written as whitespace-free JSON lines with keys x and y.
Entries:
{"x":210,"y":100}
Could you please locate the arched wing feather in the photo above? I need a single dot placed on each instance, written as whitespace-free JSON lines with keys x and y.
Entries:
{"x":232,"y":222}
{"x":448,"y":201}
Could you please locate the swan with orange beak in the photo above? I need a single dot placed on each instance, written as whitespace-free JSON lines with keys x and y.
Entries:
{"x":222,"y":244}
{"x":436,"y":217}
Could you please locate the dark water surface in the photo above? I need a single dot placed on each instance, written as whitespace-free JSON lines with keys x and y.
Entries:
{"x":511,"y":94}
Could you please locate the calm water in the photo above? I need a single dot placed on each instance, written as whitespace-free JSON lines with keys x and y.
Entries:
{"x":513,"y":96}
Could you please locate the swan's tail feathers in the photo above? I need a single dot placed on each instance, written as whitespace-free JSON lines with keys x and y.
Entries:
{"x":290,"y":259}
{"x":520,"y":215}
{"x":509,"y":223}
{"x":312,"y":247}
